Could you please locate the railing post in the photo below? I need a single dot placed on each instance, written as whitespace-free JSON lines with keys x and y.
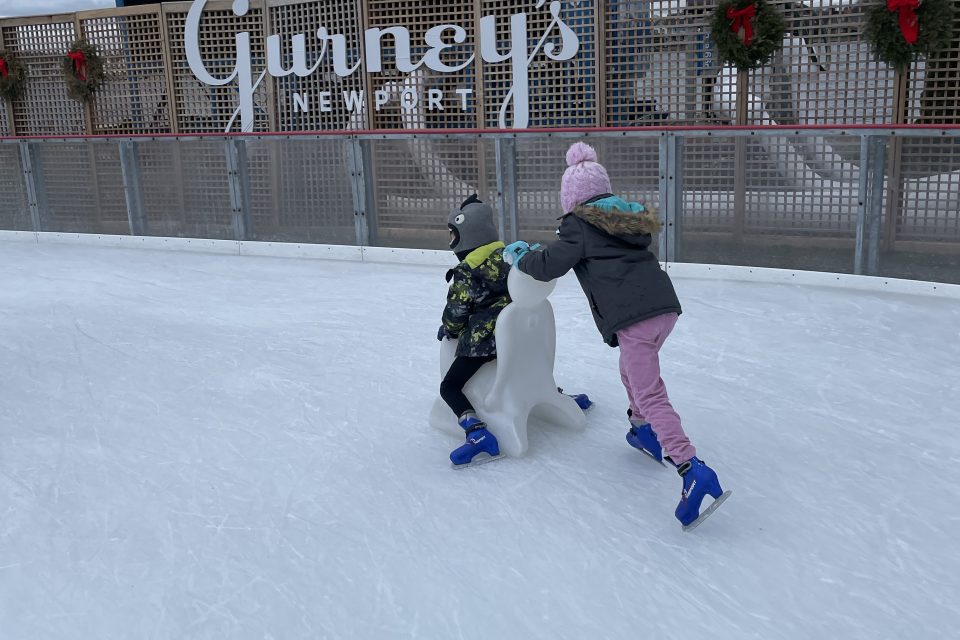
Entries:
{"x":358,"y":160}
{"x":238,"y":177}
{"x":671,"y":196}
{"x":878,"y":164}
{"x":507,"y":197}
{"x":33,"y":180}
{"x":133,"y":187}
{"x":873,"y":160}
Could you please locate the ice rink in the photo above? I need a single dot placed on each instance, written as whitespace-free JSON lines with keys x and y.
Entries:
{"x":209,"y":446}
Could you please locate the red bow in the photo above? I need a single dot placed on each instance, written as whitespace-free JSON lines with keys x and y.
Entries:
{"x":3,"y":69}
{"x":909,"y":23}
{"x":79,"y":64}
{"x":742,"y":19}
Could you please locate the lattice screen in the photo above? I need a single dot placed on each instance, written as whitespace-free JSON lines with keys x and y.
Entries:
{"x":417,"y":17}
{"x":930,"y":208}
{"x":562,"y":94}
{"x":935,"y":84}
{"x":659,"y":65}
{"x":825,"y":73}
{"x":83,"y":184}
{"x":202,"y":108}
{"x":133,"y":98}
{"x":185,"y":187}
{"x":338,"y":17}
{"x":14,"y":213}
{"x":708,"y":182}
{"x":44,"y":107}
{"x":4,"y":121}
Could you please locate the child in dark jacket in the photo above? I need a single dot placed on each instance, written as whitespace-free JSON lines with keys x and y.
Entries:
{"x":477,"y":295}
{"x":606,"y":241}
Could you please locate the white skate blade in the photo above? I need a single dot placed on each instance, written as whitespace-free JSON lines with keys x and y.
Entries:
{"x":481,"y":458}
{"x":652,"y":457}
{"x":706,"y":512}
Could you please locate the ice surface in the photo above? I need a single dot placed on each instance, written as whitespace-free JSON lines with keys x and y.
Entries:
{"x":519,"y":387}
{"x":197,"y":446}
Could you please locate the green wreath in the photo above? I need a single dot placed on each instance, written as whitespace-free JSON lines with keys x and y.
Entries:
{"x":746,"y":33}
{"x":13,"y":76}
{"x":891,"y":24}
{"x":82,"y":70}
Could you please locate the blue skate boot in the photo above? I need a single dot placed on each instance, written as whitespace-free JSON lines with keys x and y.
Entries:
{"x":481,"y":446}
{"x":698,"y":481}
{"x":642,"y":437}
{"x":583,"y":400}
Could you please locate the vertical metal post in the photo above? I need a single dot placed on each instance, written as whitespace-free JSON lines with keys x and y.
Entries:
{"x":33,"y":180}
{"x":507,"y":196}
{"x":358,"y":162}
{"x":878,"y":165}
{"x":133,"y":187}
{"x":663,"y":194}
{"x":862,"y":193}
{"x":671,"y":196}
{"x":740,"y":158}
{"x":238,"y":177}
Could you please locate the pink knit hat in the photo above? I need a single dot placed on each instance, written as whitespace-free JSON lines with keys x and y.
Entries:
{"x":584,"y":178}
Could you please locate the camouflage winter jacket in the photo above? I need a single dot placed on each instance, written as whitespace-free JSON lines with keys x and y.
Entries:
{"x":477,"y":295}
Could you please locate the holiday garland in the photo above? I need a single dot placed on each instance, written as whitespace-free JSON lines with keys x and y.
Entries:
{"x":900,"y":31}
{"x":747,"y":33}
{"x":82,"y":70}
{"x":13,"y":76}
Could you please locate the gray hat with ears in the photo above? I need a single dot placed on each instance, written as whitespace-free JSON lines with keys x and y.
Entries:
{"x":472,"y":225}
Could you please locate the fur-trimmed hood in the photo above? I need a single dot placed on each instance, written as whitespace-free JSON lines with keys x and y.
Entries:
{"x":619,"y":218}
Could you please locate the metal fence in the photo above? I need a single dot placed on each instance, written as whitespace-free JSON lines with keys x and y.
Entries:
{"x":765,"y":197}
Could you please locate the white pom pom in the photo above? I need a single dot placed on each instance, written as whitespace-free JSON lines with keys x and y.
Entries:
{"x":580,"y":152}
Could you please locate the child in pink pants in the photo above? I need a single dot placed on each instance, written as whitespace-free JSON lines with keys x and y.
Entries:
{"x":606,"y":241}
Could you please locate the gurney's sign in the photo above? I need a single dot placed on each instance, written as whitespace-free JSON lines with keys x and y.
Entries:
{"x":334,"y":47}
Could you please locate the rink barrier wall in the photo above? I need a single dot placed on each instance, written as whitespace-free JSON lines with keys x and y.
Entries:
{"x":427,"y":257}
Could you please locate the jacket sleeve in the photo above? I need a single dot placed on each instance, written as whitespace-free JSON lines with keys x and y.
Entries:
{"x":459,"y":305}
{"x":559,"y":256}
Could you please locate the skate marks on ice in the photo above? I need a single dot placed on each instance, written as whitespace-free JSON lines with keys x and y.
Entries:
{"x":260,"y":468}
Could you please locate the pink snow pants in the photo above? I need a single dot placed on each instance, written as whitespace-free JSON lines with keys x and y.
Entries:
{"x":640,"y":371}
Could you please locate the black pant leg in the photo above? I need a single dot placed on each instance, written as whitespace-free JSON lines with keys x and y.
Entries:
{"x":460,"y":372}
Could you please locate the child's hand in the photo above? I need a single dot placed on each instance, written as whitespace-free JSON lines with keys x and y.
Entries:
{"x":442,"y":333}
{"x":516,"y":250}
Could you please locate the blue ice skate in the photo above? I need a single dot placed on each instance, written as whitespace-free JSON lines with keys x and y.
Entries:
{"x":583,"y":400}
{"x":642,"y":437}
{"x":481,"y":445}
{"x":698,"y":481}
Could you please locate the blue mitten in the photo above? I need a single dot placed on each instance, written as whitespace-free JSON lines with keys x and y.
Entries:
{"x":516,"y":250}
{"x":441,"y":333}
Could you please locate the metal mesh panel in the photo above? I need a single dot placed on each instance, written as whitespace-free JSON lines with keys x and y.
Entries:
{"x":402,"y":112}
{"x":14,"y":213}
{"x":185,"y":189}
{"x":82,"y":187}
{"x":930,"y":207}
{"x":659,"y":65}
{"x":632,"y":164}
{"x":419,"y":181}
{"x":301,"y":191}
{"x":44,"y":107}
{"x":562,"y":94}
{"x":794,"y":205}
{"x":202,"y":108}
{"x":133,"y":97}
{"x":338,"y":17}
